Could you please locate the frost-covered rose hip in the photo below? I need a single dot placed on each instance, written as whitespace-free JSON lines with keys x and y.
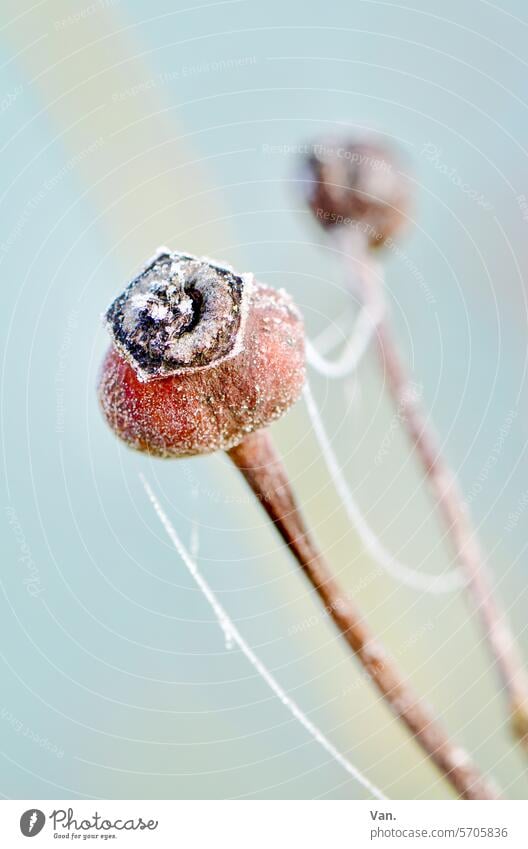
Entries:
{"x":201,"y":356}
{"x":203,"y":359}
{"x":359,"y":182}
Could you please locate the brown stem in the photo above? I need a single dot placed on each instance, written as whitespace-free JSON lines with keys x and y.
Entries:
{"x":444,"y":487}
{"x":366,"y":281}
{"x":262,"y":468}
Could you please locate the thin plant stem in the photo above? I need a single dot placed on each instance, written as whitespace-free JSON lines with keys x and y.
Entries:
{"x":264,"y":471}
{"x":466,"y":546}
{"x":230,"y":629}
{"x":445,"y":490}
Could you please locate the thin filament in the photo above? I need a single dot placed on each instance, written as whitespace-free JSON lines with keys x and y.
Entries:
{"x":230,"y":628}
{"x":364,"y":328}
{"x":400,"y":571}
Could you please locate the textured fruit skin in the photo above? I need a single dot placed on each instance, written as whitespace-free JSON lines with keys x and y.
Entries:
{"x":213,"y":408}
{"x":348,"y":182}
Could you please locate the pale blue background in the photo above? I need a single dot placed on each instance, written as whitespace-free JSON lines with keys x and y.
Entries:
{"x":118,"y":661}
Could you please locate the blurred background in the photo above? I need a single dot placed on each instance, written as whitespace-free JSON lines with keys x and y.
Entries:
{"x":130,"y":125}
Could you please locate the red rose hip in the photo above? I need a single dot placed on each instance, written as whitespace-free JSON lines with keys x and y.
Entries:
{"x":201,"y":357}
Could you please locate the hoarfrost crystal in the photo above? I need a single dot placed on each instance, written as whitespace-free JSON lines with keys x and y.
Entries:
{"x":180,"y":314}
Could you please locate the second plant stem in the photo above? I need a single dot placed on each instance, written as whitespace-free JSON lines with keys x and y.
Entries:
{"x":446,"y":492}
{"x":263,"y":470}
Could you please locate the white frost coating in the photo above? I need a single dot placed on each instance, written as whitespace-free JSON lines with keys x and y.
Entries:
{"x":151,"y":322}
{"x":230,"y":627}
{"x":405,"y":574}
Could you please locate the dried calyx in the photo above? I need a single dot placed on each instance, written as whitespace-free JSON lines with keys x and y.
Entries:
{"x":201,"y":357}
{"x":357,"y":182}
{"x":180,"y":313}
